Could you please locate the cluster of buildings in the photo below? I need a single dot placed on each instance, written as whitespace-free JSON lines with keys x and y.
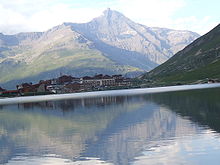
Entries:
{"x":69,"y":84}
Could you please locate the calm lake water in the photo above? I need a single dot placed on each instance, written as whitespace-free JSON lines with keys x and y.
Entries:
{"x":167,"y":128}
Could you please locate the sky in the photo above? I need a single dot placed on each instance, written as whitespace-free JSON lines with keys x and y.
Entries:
{"x":40,"y":15}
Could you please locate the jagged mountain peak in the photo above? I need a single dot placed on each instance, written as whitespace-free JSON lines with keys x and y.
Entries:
{"x":109,"y":13}
{"x":110,"y":16}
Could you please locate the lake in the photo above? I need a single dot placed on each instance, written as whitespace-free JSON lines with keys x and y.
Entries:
{"x":170,"y":128}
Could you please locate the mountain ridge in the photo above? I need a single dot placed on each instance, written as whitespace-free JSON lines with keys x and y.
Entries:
{"x":150,"y":40}
{"x":109,"y":44}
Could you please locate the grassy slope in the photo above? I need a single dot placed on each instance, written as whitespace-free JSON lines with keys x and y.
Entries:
{"x":71,"y":59}
{"x":210,"y":71}
{"x":198,"y":61}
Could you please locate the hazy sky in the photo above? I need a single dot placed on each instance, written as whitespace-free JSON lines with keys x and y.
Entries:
{"x":39,"y":15}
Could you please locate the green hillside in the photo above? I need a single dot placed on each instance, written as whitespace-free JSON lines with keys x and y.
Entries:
{"x":197,"y":62}
{"x":59,"y":50}
{"x":71,"y":59}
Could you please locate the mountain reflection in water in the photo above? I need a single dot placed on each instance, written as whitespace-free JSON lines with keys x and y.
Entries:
{"x":165,"y":128}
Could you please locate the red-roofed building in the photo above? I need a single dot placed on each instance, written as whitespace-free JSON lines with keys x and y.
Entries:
{"x":74,"y":87}
{"x":65,"y":79}
{"x":10,"y":93}
{"x":26,"y":88}
{"x":1,"y":89}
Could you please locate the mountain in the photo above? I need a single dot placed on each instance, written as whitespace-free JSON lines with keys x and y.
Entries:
{"x":46,"y":55}
{"x":109,"y":44}
{"x":113,"y":30}
{"x":195,"y":63}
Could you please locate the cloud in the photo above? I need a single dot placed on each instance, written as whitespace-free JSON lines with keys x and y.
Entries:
{"x":16,"y":15}
{"x":151,"y":12}
{"x":150,"y":9}
{"x":202,"y":25}
{"x":60,"y":13}
{"x":162,"y":13}
{"x":40,"y":15}
{"x":10,"y":20}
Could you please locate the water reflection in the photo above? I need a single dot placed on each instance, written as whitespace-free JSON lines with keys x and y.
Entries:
{"x":202,"y":106}
{"x":166,"y":128}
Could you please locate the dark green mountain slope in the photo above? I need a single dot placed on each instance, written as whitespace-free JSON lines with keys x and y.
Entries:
{"x":198,"y":61}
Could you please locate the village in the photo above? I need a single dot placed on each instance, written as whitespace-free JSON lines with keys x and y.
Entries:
{"x":69,"y":84}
